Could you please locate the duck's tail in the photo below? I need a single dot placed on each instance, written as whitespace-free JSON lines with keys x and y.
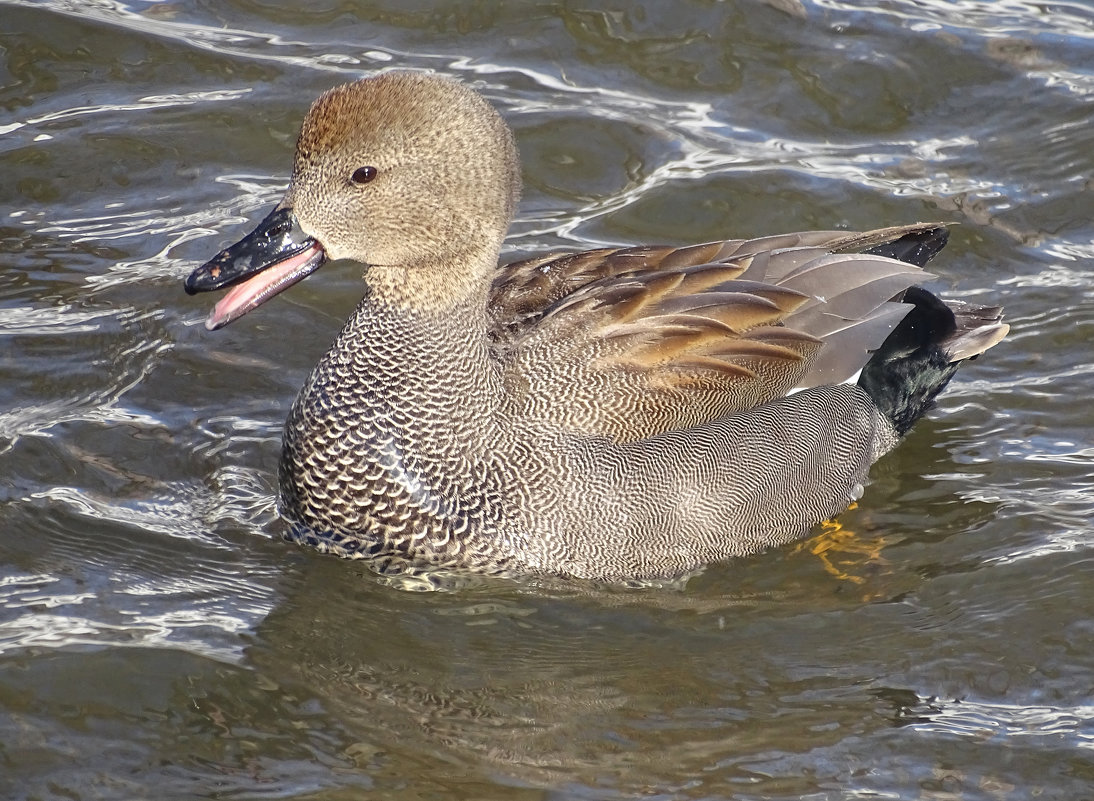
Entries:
{"x":923,"y":352}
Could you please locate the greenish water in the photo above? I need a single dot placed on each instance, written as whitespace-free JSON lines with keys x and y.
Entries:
{"x":158,"y":639}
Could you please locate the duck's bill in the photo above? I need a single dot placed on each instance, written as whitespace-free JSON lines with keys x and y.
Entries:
{"x":269,"y":260}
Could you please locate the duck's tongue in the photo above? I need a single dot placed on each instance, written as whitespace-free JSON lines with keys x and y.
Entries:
{"x":269,"y":260}
{"x":262,"y":286}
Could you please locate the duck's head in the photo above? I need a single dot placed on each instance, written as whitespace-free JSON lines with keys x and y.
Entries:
{"x":413,"y":175}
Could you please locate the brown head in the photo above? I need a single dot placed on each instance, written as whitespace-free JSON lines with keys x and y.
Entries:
{"x":412,"y":174}
{"x":405,"y":170}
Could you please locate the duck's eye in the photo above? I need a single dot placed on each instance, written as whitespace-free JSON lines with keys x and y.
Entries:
{"x":362,"y":175}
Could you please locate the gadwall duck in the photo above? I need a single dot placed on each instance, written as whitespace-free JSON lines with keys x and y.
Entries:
{"x":616,"y":414}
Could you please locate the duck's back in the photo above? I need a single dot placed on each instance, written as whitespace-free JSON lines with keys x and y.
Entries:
{"x":629,"y":343}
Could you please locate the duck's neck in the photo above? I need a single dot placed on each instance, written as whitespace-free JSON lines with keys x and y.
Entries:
{"x":392,"y":418}
{"x":427,"y":370}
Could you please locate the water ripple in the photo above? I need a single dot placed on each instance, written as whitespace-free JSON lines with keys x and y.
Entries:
{"x":154,"y":627}
{"x":979,"y":720}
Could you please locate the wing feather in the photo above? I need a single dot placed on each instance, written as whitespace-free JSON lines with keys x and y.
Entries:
{"x":651,"y":339}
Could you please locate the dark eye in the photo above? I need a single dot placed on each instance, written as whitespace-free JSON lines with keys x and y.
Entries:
{"x":362,"y":175}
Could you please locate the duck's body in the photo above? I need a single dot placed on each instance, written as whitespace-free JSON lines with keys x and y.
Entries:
{"x":615,"y":415}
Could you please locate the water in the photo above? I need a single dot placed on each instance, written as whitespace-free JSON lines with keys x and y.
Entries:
{"x":158,"y":639}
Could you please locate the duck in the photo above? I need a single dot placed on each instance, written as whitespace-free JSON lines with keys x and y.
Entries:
{"x":620,"y":414}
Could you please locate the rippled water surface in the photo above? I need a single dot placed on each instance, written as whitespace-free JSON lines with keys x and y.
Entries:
{"x":159,"y":640}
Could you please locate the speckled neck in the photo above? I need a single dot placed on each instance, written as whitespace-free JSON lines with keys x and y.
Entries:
{"x":383,"y":439}
{"x":454,"y":289}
